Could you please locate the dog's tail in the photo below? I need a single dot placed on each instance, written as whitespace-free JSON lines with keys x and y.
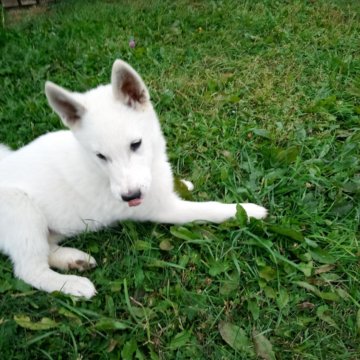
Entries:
{"x":4,"y":151}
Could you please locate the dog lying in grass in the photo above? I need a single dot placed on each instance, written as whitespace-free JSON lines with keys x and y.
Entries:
{"x":110,"y":165}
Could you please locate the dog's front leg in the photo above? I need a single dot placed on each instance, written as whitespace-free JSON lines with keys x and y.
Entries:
{"x":177,"y":211}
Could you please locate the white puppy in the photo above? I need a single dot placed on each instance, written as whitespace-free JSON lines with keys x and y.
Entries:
{"x":111,"y":165}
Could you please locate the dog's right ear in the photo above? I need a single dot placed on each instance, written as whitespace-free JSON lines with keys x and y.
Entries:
{"x":64,"y":104}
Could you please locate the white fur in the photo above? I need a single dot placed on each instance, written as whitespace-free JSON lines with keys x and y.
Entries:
{"x":57,"y":186}
{"x":4,"y":151}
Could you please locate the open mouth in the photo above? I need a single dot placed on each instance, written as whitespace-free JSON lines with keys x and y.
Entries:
{"x":135,"y":202}
{"x":133,"y":198}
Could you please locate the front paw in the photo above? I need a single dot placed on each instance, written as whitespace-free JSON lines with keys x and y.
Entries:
{"x":77,"y":286}
{"x":255,"y":211}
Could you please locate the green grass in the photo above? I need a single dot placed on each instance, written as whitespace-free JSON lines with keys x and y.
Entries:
{"x":259,"y":101}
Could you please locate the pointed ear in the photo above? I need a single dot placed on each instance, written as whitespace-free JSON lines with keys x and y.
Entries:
{"x":64,"y":104}
{"x":127,"y":85}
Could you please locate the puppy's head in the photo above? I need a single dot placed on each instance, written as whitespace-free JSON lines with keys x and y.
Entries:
{"x":117,"y":126}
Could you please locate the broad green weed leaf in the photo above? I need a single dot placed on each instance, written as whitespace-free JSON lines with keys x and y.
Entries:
{"x":263,"y":346}
{"x":116,"y":286}
{"x":307,"y":286}
{"x":74,"y":318}
{"x":166,"y":245}
{"x":139,"y":355}
{"x":282,"y":298}
{"x":253,"y":307}
{"x":241,"y":216}
{"x":44,"y":324}
{"x":259,"y":242}
{"x":330,"y":277}
{"x":110,"y":306}
{"x":324,"y":151}
{"x":129,"y":350}
{"x":141,"y":312}
{"x":224,"y":173}
{"x":306,"y":257}
{"x":139,"y":52}
{"x":342,"y":208}
{"x":274,"y":176}
{"x":262,"y":133}
{"x":180,"y":339}
{"x":153,"y":355}
{"x":260,"y":262}
{"x":311,"y":243}
{"x":141,"y":245}
{"x":236,"y":337}
{"x":184,"y":260}
{"x":323,"y":105}
{"x":139,"y":276}
{"x":217,"y":267}
{"x":183,"y":233}
{"x":267,"y":273}
{"x":342,"y":293}
{"x":306,"y":320}
{"x":329,"y":295}
{"x":21,"y":285}
{"x":351,"y":187}
{"x":322,"y":256}
{"x":292,"y":234}
{"x":288,"y":156}
{"x":5,"y":285}
{"x":94,"y":247}
{"x":233,"y":99}
{"x":229,"y":286}
{"x":322,"y":313}
{"x":270,"y":292}
{"x":306,"y":268}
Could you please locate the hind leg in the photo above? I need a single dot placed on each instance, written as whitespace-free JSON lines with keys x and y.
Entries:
{"x":23,"y":237}
{"x":66,"y":258}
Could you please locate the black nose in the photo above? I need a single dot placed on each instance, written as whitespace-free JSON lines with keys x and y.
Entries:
{"x":131,"y":195}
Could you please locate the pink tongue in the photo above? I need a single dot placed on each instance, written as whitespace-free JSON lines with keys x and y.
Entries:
{"x":135,"y":202}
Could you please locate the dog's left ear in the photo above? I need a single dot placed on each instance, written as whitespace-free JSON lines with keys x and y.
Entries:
{"x":127,"y":85}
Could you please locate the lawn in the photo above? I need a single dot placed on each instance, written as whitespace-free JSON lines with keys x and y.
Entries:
{"x":260,"y":102}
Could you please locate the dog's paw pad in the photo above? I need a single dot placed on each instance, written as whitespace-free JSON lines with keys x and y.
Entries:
{"x":82,"y":264}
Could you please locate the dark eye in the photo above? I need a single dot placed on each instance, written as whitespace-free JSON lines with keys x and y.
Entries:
{"x":101,"y":156}
{"x":135,"y":145}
